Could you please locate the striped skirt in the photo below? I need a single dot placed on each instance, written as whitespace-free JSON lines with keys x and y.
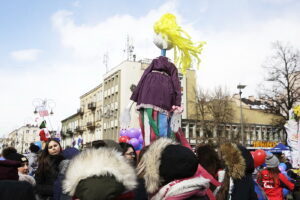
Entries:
{"x":154,"y":125}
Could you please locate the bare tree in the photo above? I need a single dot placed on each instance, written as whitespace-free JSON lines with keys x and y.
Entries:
{"x":213,"y":110}
{"x":283,"y":77}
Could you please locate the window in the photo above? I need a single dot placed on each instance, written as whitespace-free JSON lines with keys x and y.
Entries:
{"x":27,"y":131}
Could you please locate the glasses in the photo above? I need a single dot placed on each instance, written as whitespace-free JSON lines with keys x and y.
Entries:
{"x":130,"y":154}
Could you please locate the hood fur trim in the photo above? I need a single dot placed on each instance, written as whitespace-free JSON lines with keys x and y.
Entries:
{"x":148,"y":168}
{"x":234,"y":160}
{"x":99,"y":162}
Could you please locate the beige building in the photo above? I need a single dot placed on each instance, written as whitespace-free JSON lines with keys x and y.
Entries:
{"x":22,"y":137}
{"x":257,"y":125}
{"x":103,"y":105}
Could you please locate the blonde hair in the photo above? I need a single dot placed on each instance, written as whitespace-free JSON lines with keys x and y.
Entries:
{"x":183,"y":45}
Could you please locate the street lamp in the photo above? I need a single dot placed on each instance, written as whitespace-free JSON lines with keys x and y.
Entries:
{"x":42,"y":106}
{"x":240,"y":87}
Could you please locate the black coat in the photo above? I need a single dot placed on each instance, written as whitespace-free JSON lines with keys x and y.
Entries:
{"x":45,"y":180}
{"x":15,"y":190}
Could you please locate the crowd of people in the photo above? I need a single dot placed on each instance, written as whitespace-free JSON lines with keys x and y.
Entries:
{"x":166,"y":169}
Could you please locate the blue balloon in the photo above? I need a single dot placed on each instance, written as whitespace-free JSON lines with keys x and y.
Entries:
{"x":39,"y":144}
{"x":285,"y":192}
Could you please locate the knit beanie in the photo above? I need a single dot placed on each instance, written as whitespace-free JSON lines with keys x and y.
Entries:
{"x":16,"y":157}
{"x":166,"y":161}
{"x":271,"y":161}
{"x":177,"y":162}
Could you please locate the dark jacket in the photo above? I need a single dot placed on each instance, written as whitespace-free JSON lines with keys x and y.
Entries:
{"x":244,"y":187}
{"x":45,"y":180}
{"x":159,"y":87}
{"x":16,"y":190}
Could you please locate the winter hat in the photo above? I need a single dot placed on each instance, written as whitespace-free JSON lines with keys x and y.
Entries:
{"x":34,"y":148}
{"x":177,"y":162}
{"x":164,"y":162}
{"x":70,"y":152}
{"x":16,"y":157}
{"x":271,"y":161}
{"x":9,"y":170}
{"x":99,"y":174}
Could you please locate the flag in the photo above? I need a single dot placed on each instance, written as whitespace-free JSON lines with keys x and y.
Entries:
{"x":43,"y":113}
{"x":43,"y":125}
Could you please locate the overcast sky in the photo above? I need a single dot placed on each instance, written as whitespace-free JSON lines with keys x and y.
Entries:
{"x":54,"y":49}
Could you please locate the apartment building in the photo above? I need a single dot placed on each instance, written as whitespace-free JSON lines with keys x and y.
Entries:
{"x":22,"y":137}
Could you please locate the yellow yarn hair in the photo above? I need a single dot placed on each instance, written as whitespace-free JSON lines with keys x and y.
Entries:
{"x":181,"y":41}
{"x":296,"y":110}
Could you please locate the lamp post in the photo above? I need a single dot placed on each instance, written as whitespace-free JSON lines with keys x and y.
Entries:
{"x":42,"y":106}
{"x":240,"y":87}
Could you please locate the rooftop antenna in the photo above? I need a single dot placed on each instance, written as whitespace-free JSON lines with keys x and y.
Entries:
{"x":129,"y":48}
{"x":105,"y":61}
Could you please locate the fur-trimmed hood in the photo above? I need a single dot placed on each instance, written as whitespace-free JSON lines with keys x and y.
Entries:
{"x":234,"y":160}
{"x":99,"y":162}
{"x":148,"y":167}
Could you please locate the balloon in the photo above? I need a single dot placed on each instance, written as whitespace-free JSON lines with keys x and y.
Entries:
{"x":259,"y":157}
{"x":285,"y":192}
{"x":282,"y":167}
{"x":39,"y":144}
{"x":141,"y":139}
{"x":140,"y":146}
{"x":134,"y":133}
{"x":134,"y":142}
{"x":123,"y":139}
{"x":252,"y":153}
{"x":123,"y":132}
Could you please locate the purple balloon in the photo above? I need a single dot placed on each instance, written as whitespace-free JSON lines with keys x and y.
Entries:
{"x":123,"y":132}
{"x":141,"y":140}
{"x":133,"y":133}
{"x":134,"y":142}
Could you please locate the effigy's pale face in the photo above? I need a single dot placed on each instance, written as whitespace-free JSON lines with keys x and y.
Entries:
{"x":161,"y":43}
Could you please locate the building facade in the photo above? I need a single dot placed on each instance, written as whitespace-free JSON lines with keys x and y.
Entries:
{"x":258,"y":127}
{"x":22,"y":137}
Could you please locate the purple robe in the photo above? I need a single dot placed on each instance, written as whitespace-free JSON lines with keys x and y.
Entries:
{"x":159,"y":87}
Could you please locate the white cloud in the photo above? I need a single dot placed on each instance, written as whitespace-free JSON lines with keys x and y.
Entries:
{"x":27,"y":55}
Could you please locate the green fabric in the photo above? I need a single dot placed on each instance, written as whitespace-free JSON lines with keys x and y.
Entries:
{"x":99,"y":188}
{"x":152,"y":122}
{"x":43,"y":124}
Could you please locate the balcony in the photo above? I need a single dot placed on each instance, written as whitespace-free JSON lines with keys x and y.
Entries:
{"x":80,"y":111}
{"x":69,"y":132}
{"x":90,"y":125}
{"x":92,"y":106}
{"x":79,"y":129}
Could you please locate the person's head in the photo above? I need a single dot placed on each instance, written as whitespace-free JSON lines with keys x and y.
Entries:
{"x":208,"y":159}
{"x":34,"y":148}
{"x":128,"y":152}
{"x":52,"y":147}
{"x":23,"y":169}
{"x":8,"y":150}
